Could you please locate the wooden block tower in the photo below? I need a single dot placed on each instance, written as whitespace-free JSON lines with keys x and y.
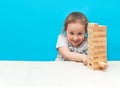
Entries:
{"x":97,"y":46}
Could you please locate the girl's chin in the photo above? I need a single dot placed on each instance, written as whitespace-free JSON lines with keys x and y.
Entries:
{"x":76,"y":44}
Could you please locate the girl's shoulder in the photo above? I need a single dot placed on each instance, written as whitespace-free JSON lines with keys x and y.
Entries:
{"x":62,"y":41}
{"x":62,"y":36}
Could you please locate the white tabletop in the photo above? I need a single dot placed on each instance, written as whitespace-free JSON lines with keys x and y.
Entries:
{"x":57,"y":74}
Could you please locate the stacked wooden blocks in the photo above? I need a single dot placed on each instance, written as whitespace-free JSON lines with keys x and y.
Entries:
{"x":97,"y":46}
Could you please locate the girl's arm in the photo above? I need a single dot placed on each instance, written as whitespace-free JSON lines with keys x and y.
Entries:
{"x":65,"y":52}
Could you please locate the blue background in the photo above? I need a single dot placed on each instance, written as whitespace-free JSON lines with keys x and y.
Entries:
{"x":29,"y":28}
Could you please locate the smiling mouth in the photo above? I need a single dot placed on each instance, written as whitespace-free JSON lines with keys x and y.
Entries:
{"x":76,"y":42}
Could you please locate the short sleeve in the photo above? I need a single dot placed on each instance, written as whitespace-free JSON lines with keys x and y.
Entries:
{"x":62,"y":41}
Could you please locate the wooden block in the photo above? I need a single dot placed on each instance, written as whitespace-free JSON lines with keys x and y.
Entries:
{"x":99,"y":52}
{"x":102,"y":28}
{"x":97,"y":65}
{"x":92,"y":26}
{"x":96,"y":47}
{"x":94,"y":51}
{"x":103,"y":65}
{"x":97,"y":36}
{"x":97,"y":31}
{"x":96,"y":44}
{"x":93,"y":65}
{"x":101,"y":57}
{"x":100,"y":40}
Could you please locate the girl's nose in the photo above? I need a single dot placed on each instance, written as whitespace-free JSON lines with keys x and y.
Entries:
{"x":75,"y":38}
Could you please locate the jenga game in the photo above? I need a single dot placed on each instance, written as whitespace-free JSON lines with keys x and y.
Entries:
{"x":97,"y":46}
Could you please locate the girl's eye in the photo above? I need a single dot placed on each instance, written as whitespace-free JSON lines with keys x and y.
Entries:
{"x":71,"y":33}
{"x":79,"y":33}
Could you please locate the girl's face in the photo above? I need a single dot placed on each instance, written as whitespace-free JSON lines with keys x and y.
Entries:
{"x":75,"y":33}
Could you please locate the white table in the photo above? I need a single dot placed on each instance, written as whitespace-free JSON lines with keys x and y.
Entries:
{"x":57,"y":74}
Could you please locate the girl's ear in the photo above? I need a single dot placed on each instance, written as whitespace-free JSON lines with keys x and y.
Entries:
{"x":64,"y":32}
{"x":86,"y":35}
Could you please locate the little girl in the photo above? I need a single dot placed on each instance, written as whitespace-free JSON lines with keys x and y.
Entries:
{"x":72,"y":45}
